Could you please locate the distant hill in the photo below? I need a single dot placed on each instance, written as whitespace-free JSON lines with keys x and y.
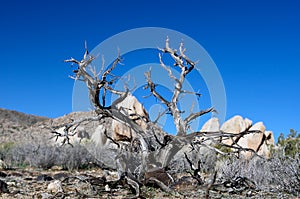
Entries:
{"x":19,"y":118}
{"x":16,"y":126}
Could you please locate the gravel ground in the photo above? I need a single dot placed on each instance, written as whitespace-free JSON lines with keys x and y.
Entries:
{"x":56,"y":183}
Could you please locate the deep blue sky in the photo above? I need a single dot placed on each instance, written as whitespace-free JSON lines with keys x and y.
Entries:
{"x":255,"y":44}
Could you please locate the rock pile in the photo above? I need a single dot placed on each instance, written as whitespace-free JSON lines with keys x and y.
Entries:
{"x":245,"y":135}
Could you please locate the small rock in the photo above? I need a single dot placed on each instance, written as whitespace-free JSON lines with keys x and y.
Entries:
{"x":59,"y":176}
{"x":159,"y":174}
{"x":249,"y":194}
{"x":57,"y":168}
{"x":96,"y":181}
{"x":107,"y":188}
{"x":16,"y":174}
{"x":55,"y":187}
{"x":46,"y":195}
{"x":3,"y":187}
{"x":44,"y":177}
{"x":3,"y":175}
{"x":12,"y":184}
{"x":184,"y":183}
{"x":111,"y":175}
{"x":3,"y":165}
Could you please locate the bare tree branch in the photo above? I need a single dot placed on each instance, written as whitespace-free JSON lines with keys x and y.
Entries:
{"x":160,"y":114}
{"x":152,"y":87}
{"x":186,"y":66}
{"x":89,"y":75}
{"x":193,"y":116}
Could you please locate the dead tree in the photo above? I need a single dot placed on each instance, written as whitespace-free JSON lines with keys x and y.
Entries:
{"x":186,"y":66}
{"x":147,"y":154}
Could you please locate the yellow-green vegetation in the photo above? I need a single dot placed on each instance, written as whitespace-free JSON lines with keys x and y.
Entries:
{"x":290,"y":144}
{"x":223,"y":148}
{"x":5,"y":147}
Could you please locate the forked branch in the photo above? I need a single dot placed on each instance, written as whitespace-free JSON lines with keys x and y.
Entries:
{"x":186,"y":65}
{"x":94,"y":82}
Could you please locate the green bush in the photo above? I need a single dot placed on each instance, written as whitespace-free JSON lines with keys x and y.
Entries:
{"x":291,"y":144}
{"x":5,"y":148}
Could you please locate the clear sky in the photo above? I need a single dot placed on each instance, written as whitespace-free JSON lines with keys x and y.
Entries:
{"x":255,"y":45}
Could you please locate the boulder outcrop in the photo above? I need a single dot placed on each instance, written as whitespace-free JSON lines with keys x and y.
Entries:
{"x":248,"y":136}
{"x":236,"y":125}
{"x":212,"y":125}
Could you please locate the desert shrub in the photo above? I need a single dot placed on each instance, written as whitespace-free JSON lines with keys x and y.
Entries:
{"x":44,"y":155}
{"x":31,"y":154}
{"x":286,"y":172}
{"x":16,"y":156}
{"x":280,"y":173}
{"x":76,"y":157}
{"x":255,"y":169}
